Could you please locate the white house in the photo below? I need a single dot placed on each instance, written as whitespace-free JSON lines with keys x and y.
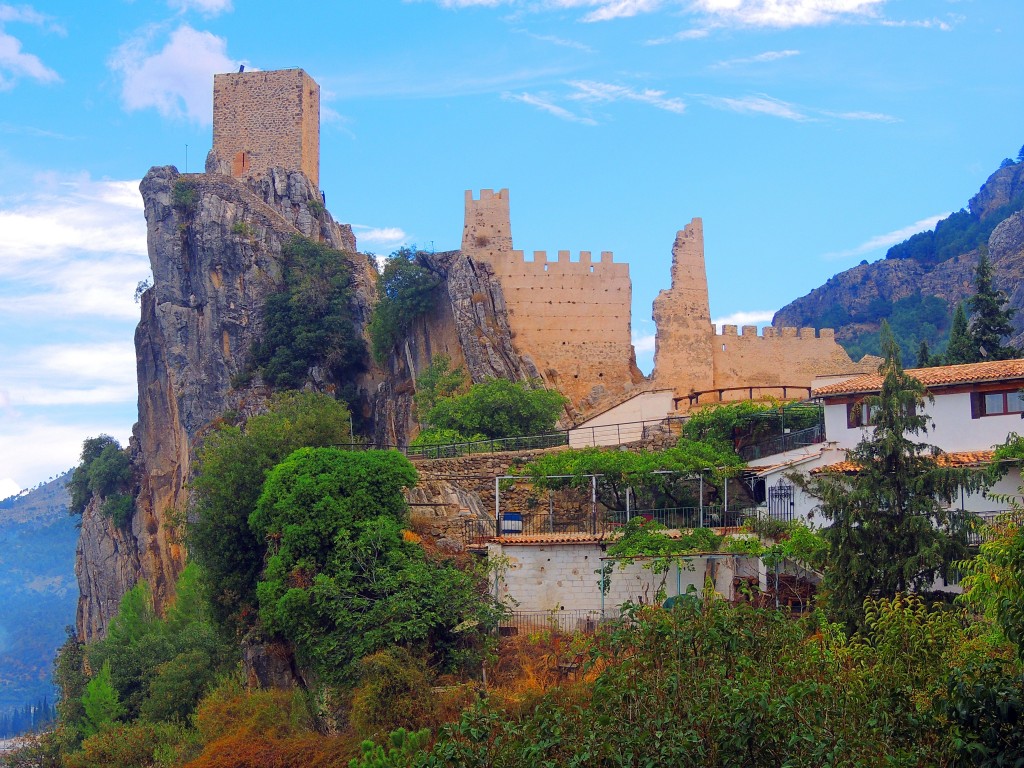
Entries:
{"x":971,"y":409}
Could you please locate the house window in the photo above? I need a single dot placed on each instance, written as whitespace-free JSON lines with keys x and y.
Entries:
{"x":860,"y":414}
{"x":996,"y":403}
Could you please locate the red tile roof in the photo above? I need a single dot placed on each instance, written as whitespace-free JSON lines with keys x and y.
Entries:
{"x":932,"y":378}
{"x":955,"y":459}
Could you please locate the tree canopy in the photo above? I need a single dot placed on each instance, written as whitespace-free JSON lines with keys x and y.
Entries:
{"x":990,"y":317}
{"x":342,"y":580}
{"x":499,"y":408}
{"x":309,"y":322}
{"x":232,"y":465}
{"x":405,"y":291}
{"x":891,"y":531}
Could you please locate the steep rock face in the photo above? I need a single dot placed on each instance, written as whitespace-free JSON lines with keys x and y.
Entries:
{"x":469,"y":325}
{"x":214,"y":262}
{"x":952,"y":280}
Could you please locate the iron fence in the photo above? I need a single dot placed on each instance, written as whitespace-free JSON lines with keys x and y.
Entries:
{"x":627,"y":432}
{"x":708,"y":516}
{"x":563,"y":622}
{"x":497,"y":445}
{"x":783,"y":443}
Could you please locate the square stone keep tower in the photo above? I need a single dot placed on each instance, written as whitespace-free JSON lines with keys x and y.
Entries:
{"x":266,"y":119}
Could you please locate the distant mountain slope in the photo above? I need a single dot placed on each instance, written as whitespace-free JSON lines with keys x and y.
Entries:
{"x":38,"y":592}
{"x":920,"y":281}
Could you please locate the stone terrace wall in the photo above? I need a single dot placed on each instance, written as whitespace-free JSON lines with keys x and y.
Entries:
{"x":266,"y":119}
{"x":571,"y":318}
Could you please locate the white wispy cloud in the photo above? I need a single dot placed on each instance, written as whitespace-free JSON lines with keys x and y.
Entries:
{"x":593,"y":91}
{"x":758,"y":59}
{"x":787,"y":13}
{"x":756,"y":317}
{"x":70,"y":374}
{"x":205,"y":7}
{"x":75,"y":247}
{"x":546,"y":105}
{"x":620,"y":9}
{"x":940,"y":24}
{"x":761,"y":105}
{"x":555,"y":40}
{"x":644,"y":344}
{"x":888,"y":239}
{"x":686,"y":34}
{"x":380,"y":237}
{"x":14,"y":62}
{"x":174,"y":80}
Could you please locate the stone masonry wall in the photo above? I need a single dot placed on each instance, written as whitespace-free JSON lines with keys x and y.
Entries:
{"x":262,"y":120}
{"x":572,"y":318}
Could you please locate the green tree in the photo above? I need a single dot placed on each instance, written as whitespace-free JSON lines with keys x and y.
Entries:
{"x":101,"y":705}
{"x":891,"y":531}
{"x":993,"y":582}
{"x":342,"y":581}
{"x":437,"y":382}
{"x":990,"y":317}
{"x":309,"y":322}
{"x":499,"y":408}
{"x":103,"y":469}
{"x":960,"y":348}
{"x":233,"y":463}
{"x":924,"y":357}
{"x":406,"y":290}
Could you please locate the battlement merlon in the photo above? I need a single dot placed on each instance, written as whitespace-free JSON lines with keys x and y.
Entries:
{"x":771,"y":332}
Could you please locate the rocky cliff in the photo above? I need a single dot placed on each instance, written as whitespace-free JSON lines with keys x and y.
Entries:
{"x":937,"y":264}
{"x":216,"y":254}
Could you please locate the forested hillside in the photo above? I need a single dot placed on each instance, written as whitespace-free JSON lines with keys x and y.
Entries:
{"x":917,"y":286}
{"x":37,"y":592}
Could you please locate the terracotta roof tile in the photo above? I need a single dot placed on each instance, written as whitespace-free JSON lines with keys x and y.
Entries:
{"x":939,"y":376}
{"x":954,"y":459}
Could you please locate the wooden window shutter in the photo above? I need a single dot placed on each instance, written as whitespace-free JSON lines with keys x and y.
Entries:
{"x":976,"y":405}
{"x":852,"y":412}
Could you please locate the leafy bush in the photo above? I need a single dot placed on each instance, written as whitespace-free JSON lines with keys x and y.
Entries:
{"x":405,"y":291}
{"x":185,"y":196}
{"x":106,"y":472}
{"x":232,"y":464}
{"x":394,"y":691}
{"x":437,"y":382}
{"x":499,"y":408}
{"x":342,"y":581}
{"x":310,"y":322}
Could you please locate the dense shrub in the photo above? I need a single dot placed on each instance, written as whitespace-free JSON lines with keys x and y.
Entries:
{"x":499,"y":408}
{"x":233,"y":462}
{"x":104,"y":471}
{"x":405,"y":291}
{"x":309,"y":322}
{"x":394,"y":691}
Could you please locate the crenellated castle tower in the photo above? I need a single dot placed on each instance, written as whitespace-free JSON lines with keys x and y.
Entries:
{"x":571,"y":317}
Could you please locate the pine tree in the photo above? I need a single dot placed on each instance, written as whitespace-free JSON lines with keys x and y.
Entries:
{"x":990,"y":319}
{"x":924,"y":358}
{"x":890,"y":531}
{"x":958,"y":350}
{"x":100,"y":702}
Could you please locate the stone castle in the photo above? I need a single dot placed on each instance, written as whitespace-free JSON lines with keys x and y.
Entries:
{"x":571,"y":318}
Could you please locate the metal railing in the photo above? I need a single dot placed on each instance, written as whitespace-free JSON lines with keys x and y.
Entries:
{"x":708,"y":516}
{"x":976,"y":533}
{"x":627,"y":432}
{"x":783,"y":443}
{"x":497,"y":445}
{"x":563,"y":622}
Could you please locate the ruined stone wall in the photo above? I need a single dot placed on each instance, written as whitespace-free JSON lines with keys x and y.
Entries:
{"x":571,"y":318}
{"x":690,"y":356}
{"x":263,"y":120}
{"x":784,"y":356}
{"x":682,"y":347}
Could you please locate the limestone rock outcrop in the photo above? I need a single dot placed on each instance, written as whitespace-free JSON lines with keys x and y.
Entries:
{"x":214,"y":261}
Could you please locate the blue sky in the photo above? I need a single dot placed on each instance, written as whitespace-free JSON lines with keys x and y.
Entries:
{"x":808,"y":134}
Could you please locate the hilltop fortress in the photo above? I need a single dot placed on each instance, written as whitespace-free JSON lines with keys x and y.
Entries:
{"x":570,"y":317}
